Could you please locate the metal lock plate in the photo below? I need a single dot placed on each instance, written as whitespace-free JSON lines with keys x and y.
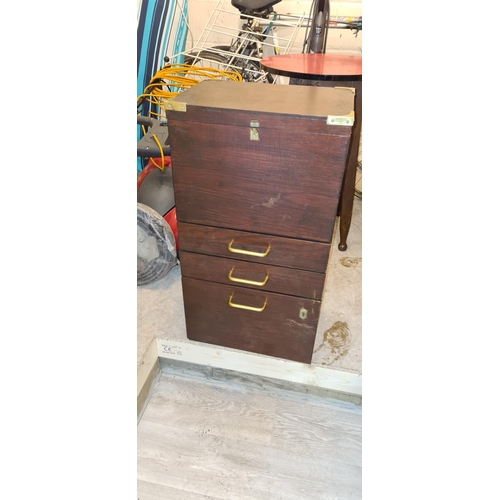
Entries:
{"x":303,"y":313}
{"x":254,"y":133}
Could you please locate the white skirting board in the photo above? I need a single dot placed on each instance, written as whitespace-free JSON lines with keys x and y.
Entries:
{"x":146,"y":364}
{"x":148,"y":374}
{"x":255,"y":364}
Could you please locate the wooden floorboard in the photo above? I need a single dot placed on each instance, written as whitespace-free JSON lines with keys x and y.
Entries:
{"x":202,"y":440}
{"x":317,"y":431}
{"x":202,"y":407}
{"x":154,"y":491}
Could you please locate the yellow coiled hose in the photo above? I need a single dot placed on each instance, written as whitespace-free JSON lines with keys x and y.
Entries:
{"x":173,"y":79}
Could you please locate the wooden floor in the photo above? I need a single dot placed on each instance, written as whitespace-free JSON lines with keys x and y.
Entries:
{"x":217,"y":439}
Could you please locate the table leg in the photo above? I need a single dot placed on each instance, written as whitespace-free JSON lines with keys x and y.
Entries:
{"x":346,"y":200}
{"x":347,"y":194}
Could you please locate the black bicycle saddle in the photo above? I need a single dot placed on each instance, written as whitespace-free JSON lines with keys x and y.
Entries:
{"x":253,"y":5}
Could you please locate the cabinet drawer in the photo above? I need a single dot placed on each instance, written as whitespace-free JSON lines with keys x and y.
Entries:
{"x":252,"y":275}
{"x":279,"y":325}
{"x":285,"y":252}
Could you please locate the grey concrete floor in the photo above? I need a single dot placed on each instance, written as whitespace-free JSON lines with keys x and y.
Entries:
{"x":160,"y":310}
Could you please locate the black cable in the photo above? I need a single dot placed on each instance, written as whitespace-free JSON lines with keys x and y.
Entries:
{"x":309,"y":25}
{"x":327,"y":25}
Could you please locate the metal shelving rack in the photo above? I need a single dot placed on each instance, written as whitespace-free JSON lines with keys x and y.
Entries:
{"x":224,"y":29}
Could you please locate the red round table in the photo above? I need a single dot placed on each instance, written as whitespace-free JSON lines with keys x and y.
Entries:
{"x":315,"y":66}
{"x":329,"y":70}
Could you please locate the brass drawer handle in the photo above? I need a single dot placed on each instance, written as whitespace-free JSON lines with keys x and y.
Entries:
{"x":247,"y":282}
{"x":247,"y":252}
{"x":247,"y":308}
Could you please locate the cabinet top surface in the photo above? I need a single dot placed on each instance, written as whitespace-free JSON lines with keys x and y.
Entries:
{"x":298,"y":100}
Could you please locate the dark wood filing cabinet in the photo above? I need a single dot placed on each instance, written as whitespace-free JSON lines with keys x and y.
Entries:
{"x":257,"y":175}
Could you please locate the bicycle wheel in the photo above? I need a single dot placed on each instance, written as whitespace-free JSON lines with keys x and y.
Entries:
{"x":207,"y":59}
{"x":249,"y":70}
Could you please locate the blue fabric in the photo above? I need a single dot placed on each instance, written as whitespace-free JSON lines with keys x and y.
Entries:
{"x":161,"y":31}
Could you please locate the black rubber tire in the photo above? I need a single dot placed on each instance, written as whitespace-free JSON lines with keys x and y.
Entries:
{"x":223,"y":60}
{"x":212,"y":56}
{"x":156,"y":253}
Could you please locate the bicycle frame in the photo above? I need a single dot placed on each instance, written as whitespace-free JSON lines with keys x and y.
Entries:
{"x":317,"y":34}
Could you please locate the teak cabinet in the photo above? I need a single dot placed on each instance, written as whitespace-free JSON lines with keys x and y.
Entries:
{"x":257,"y":173}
